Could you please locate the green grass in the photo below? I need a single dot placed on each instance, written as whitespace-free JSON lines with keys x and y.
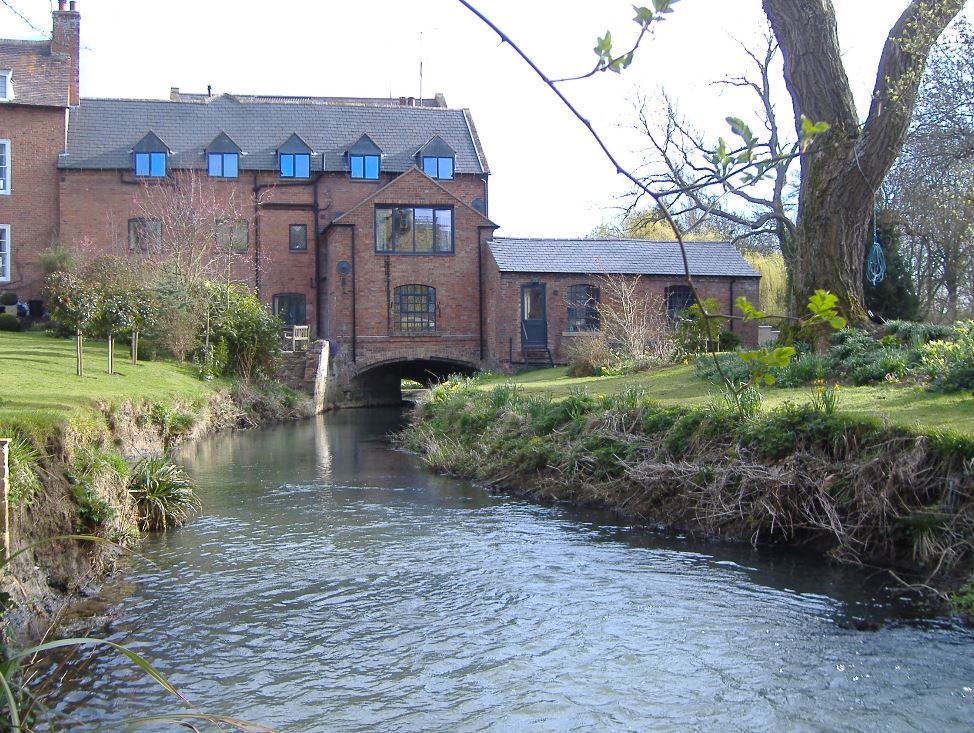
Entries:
{"x":39,"y":384}
{"x":905,"y":405}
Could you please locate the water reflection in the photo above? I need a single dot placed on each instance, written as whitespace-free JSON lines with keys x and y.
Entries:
{"x":334,"y":584}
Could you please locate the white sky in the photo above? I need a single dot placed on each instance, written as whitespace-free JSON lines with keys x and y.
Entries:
{"x":548,"y":177}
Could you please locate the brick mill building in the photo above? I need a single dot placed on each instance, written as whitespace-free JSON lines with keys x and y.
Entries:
{"x":366,"y":219}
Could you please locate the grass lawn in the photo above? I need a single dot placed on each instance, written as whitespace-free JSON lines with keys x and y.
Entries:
{"x":38,"y":380}
{"x":679,"y":385}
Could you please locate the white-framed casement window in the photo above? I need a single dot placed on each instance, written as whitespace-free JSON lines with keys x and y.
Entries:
{"x":6,"y":86}
{"x":4,"y":167}
{"x":4,"y":253}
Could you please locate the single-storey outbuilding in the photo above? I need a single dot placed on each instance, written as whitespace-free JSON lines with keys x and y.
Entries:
{"x":543,"y":293}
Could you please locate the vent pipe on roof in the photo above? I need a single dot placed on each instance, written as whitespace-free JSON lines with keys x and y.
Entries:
{"x":209,"y":90}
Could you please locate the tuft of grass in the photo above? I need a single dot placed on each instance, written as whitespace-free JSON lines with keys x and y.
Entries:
{"x":163,"y":492}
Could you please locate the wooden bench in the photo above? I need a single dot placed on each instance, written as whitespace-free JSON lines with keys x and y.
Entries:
{"x":297,"y":337}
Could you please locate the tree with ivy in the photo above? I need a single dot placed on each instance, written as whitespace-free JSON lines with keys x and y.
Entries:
{"x":74,"y":306}
{"x":844,"y":165}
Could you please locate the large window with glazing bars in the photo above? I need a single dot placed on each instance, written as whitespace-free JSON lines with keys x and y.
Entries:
{"x":414,"y":309}
{"x":413,"y":230}
{"x":583,"y":308}
{"x":678,"y":299}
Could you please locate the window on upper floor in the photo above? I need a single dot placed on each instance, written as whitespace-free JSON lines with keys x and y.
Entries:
{"x":364,"y":166}
{"x":413,"y":230}
{"x":233,"y":234}
{"x":678,"y":299}
{"x":292,"y":308}
{"x":6,"y":86}
{"x":438,"y":167}
{"x":4,"y":166}
{"x":151,"y":165}
{"x":145,"y":235}
{"x":414,"y":309}
{"x":583,"y":308}
{"x":4,"y":253}
{"x":298,"y":238}
{"x":222,"y":165}
{"x":295,"y":165}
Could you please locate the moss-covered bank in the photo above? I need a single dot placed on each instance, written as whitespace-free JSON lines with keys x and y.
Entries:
{"x":69,"y":476}
{"x":856,"y":489}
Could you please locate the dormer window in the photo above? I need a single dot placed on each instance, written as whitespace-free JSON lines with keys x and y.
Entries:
{"x":6,"y":86}
{"x":294,"y":158}
{"x":149,"y":157}
{"x":364,"y":166}
{"x":222,"y":165}
{"x":438,"y":167}
{"x":364,"y":159}
{"x":222,"y":157}
{"x":295,"y":165}
{"x":437,"y":159}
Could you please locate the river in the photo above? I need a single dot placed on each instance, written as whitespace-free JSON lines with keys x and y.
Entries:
{"x":333,"y":584}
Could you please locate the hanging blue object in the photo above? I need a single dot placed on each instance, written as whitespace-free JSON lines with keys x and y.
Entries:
{"x":876,"y":263}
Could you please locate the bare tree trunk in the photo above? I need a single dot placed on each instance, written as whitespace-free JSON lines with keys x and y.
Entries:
{"x":111,"y":350}
{"x":135,"y":346}
{"x":79,"y":353}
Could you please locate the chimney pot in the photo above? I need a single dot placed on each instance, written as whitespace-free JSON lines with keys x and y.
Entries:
{"x":60,"y":5}
{"x":73,"y":6}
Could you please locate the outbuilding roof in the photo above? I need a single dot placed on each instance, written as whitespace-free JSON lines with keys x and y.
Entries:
{"x":618,"y":257}
{"x":103,"y":132}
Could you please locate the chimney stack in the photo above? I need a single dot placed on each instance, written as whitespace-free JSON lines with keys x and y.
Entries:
{"x":66,"y":42}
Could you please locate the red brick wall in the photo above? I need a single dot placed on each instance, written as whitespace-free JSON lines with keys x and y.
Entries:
{"x":375,"y":277}
{"x":504,"y":308}
{"x":36,"y":136}
{"x":97,"y":205}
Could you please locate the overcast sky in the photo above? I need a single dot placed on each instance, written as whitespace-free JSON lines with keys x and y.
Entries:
{"x":548,"y":177}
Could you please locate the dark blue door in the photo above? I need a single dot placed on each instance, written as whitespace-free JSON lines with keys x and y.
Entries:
{"x":534,"y":316}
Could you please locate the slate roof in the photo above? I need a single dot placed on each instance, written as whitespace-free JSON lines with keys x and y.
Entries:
{"x":103,"y":132}
{"x":617,"y":257}
{"x":39,"y":77}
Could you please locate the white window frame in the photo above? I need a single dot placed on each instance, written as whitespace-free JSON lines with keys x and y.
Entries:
{"x":5,"y":239}
{"x":5,"y":158}
{"x":8,"y":75}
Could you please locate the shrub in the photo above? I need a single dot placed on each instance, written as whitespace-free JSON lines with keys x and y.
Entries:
{"x":588,"y":354}
{"x":163,"y":492}
{"x":732,"y":366}
{"x":950,"y":364}
{"x":913,"y":333}
{"x":858,"y":357}
{"x":805,"y":369}
{"x":728,"y":341}
{"x":251,"y":334}
{"x":9,"y":322}
{"x":8,"y":298}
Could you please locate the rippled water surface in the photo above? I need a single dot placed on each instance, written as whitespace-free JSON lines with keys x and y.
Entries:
{"x":332,"y":584}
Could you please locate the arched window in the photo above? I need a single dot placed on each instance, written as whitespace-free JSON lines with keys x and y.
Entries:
{"x":678,"y":299}
{"x":583,"y":308}
{"x":414,"y":309}
{"x":292,"y":308}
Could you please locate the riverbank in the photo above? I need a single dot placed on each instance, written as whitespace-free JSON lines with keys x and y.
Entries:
{"x":72,"y":438}
{"x":854,"y":488}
